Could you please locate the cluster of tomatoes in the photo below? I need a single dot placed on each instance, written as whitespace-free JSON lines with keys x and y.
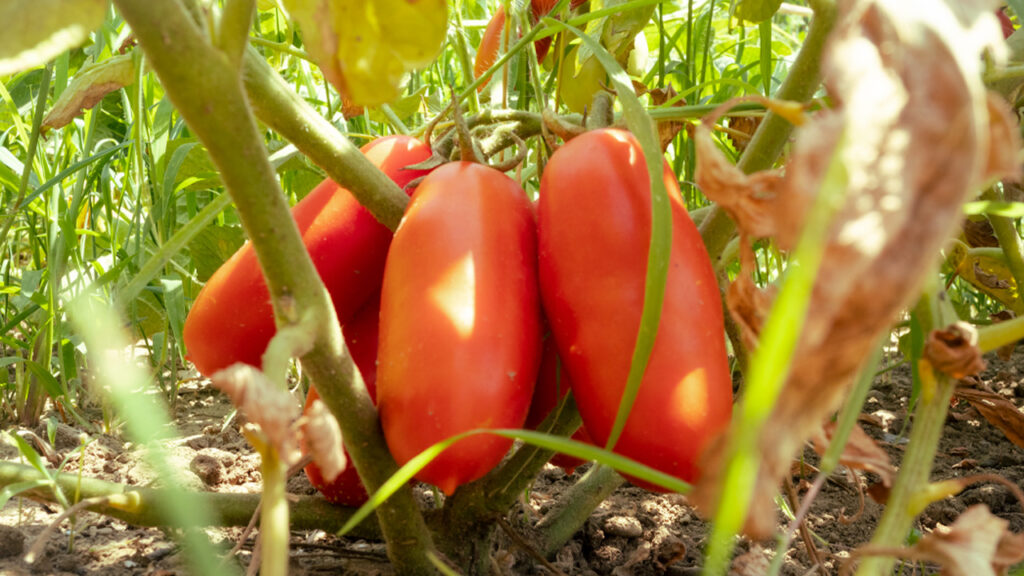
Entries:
{"x":484,"y":308}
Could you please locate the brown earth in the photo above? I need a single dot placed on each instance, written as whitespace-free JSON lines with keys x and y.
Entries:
{"x":633,"y":532}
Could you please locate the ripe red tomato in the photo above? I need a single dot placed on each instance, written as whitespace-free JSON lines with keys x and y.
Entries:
{"x":487,"y":52}
{"x":361,"y":338}
{"x":232,"y":319}
{"x":552,"y":385}
{"x":459,"y":321}
{"x":594,"y":226}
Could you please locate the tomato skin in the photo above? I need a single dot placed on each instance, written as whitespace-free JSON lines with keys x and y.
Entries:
{"x":594,"y":217}
{"x":552,"y":385}
{"x":232,"y":319}
{"x":490,"y":42}
{"x":460,"y":321}
{"x":361,"y":339}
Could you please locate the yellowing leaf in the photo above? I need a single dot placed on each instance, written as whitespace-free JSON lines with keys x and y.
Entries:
{"x":364,"y":48}
{"x":89,"y":86}
{"x":39,"y":30}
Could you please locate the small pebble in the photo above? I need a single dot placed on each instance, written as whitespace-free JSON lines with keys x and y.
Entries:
{"x":625,"y":526}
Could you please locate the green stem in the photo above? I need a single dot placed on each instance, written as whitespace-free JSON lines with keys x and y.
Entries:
{"x":933,"y":312}
{"x":207,"y":90}
{"x":1009,"y":240}
{"x":280,"y":108}
{"x":770,"y":138}
{"x":308,"y":512}
{"x":274,"y":525}
{"x":233,"y":29}
{"x":576,"y":505}
{"x":995,"y":336}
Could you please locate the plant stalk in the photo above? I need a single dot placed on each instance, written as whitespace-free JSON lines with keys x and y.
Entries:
{"x":280,"y":108}
{"x":559,"y":524}
{"x":1009,"y":240}
{"x":274,"y":525}
{"x":934,"y":311}
{"x":771,"y":136}
{"x":307,"y":512}
{"x":208,"y":92}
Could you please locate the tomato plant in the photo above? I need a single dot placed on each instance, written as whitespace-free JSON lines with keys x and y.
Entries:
{"x":232,"y":319}
{"x":594,"y":223}
{"x":460,"y":321}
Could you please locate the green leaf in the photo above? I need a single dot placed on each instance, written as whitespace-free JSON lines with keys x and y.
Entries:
{"x":212,"y":247}
{"x":403,"y":108}
{"x":756,"y":11}
{"x":90,"y":85}
{"x":38,"y":30}
{"x":365,"y":48}
{"x":547,"y":441}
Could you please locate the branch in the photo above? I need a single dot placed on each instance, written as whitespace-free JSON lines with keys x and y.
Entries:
{"x":208,"y":93}
{"x":140,"y":506}
{"x":280,"y":108}
{"x":771,"y":136}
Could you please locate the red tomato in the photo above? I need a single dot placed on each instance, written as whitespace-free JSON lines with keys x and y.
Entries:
{"x":232,"y":319}
{"x":361,"y":339}
{"x":552,"y":385}
{"x":1005,"y":23}
{"x":490,"y":43}
{"x":459,"y":321}
{"x":594,"y":226}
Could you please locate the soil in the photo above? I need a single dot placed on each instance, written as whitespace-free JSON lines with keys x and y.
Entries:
{"x":633,"y":532}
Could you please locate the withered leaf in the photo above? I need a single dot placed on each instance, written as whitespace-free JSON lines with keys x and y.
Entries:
{"x":88,"y":88}
{"x":979,"y":233}
{"x":973,"y":545}
{"x":860,"y":453}
{"x":264,"y":404}
{"x":998,"y":411}
{"x":667,"y":129}
{"x":954,"y":350}
{"x":322,"y":437}
{"x":891,"y":70}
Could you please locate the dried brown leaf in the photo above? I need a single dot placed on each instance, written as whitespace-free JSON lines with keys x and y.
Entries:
{"x":264,"y":404}
{"x":979,"y":233}
{"x":954,"y":350}
{"x":860,"y":453}
{"x":88,"y":88}
{"x":667,"y":129}
{"x":999,"y":411}
{"x":892,"y":70}
{"x":322,"y":437}
{"x":969,"y":546}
